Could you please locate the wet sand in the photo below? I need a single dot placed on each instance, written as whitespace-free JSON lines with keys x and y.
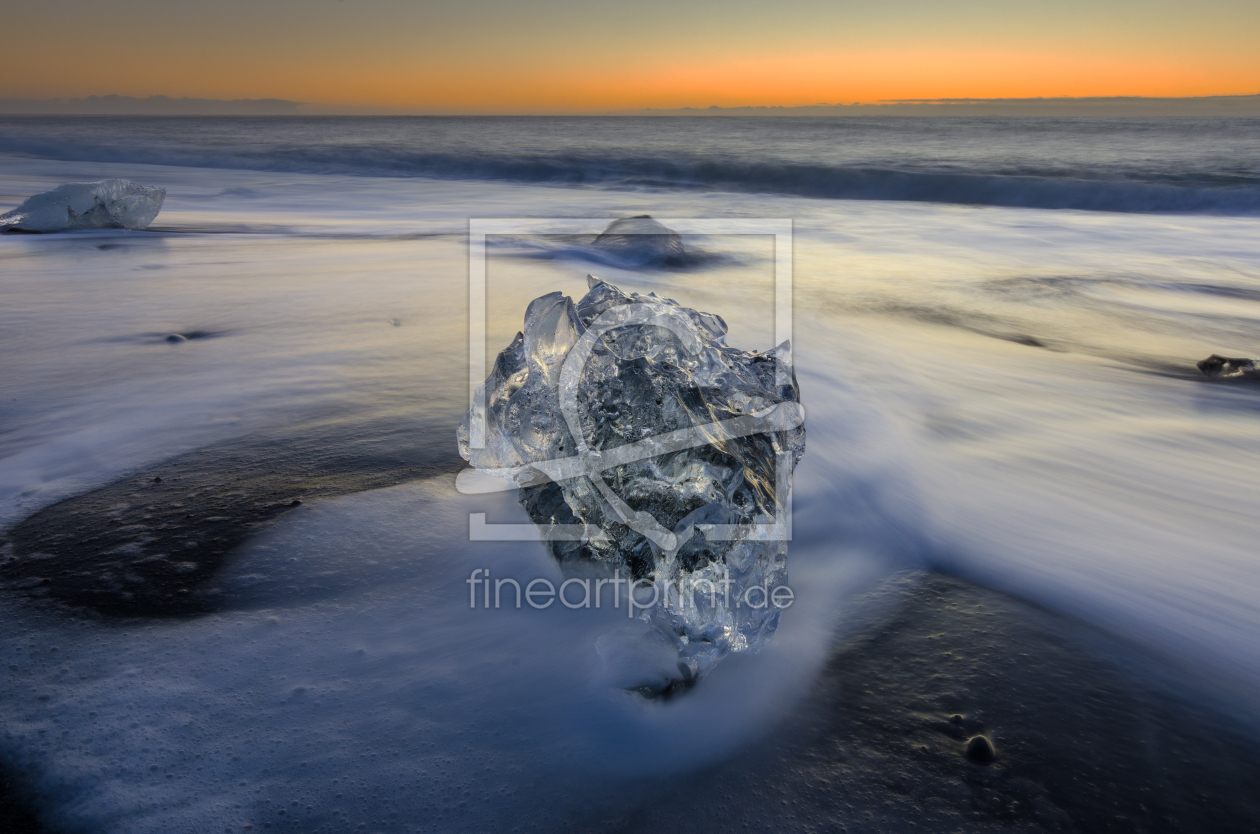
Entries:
{"x":150,"y":544}
{"x":14,"y":805}
{"x":1089,"y":734}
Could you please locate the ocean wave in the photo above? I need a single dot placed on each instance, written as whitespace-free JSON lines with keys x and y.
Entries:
{"x":1089,"y":188}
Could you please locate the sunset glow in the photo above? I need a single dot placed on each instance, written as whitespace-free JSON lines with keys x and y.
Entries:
{"x":559,"y":57}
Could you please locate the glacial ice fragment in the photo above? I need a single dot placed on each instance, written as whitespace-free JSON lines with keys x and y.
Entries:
{"x":642,"y":240}
{"x":108,"y":204}
{"x":629,"y":419}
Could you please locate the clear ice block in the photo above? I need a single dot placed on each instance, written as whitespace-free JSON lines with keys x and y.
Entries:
{"x":629,"y":417}
{"x":108,"y":204}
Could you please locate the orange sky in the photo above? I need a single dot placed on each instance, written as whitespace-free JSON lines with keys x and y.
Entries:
{"x":499,"y":56}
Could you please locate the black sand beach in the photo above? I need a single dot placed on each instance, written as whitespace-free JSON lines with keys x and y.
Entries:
{"x":1086,"y":733}
{"x":1090,"y":735}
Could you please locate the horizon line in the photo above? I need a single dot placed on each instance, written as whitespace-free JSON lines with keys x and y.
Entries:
{"x":158,"y":105}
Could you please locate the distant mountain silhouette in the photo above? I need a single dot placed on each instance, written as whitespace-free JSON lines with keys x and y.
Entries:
{"x":1100,"y":106}
{"x":151,"y":106}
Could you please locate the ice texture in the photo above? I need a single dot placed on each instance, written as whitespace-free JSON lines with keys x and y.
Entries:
{"x":629,"y":419}
{"x":108,"y":204}
{"x":642,"y":240}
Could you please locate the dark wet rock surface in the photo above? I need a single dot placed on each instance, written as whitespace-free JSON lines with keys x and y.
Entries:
{"x":1224,"y":367}
{"x":1090,"y":735}
{"x":150,"y":544}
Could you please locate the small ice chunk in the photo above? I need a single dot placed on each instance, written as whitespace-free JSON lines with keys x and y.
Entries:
{"x":642,"y":240}
{"x":108,"y":204}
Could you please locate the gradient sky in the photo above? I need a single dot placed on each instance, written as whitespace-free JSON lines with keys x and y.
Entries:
{"x":501,"y":56}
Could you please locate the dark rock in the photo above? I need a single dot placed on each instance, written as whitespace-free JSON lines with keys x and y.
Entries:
{"x":980,"y":749}
{"x":176,"y":338}
{"x":1224,"y":367}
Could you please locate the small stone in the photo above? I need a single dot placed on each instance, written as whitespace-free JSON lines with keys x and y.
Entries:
{"x":157,"y":479}
{"x":296,"y":502}
{"x":176,"y":338}
{"x":980,"y":750}
{"x":955,"y":719}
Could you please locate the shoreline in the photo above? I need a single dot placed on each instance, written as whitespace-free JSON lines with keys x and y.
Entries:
{"x":1090,"y":734}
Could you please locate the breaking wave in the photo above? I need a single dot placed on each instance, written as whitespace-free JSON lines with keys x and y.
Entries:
{"x":1085,"y":187}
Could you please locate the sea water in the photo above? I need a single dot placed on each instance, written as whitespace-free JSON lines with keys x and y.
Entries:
{"x":997,"y":381}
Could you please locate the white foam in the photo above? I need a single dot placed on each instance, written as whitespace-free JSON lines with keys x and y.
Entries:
{"x":387,"y":699}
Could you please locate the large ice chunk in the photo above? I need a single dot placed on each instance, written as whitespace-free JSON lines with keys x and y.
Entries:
{"x":666,"y":454}
{"x":642,"y":240}
{"x":108,"y":204}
